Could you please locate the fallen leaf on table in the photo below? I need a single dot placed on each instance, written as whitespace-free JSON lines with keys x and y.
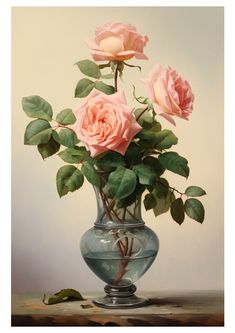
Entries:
{"x":64,"y":295}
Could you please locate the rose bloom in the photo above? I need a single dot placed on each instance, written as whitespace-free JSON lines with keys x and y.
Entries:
{"x":118,"y":42}
{"x":105,"y":122}
{"x":170,"y":93}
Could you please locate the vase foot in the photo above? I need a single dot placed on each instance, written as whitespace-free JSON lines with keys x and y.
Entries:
{"x":120,"y":298}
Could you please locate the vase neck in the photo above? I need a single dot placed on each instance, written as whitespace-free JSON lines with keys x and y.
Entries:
{"x":110,"y":215}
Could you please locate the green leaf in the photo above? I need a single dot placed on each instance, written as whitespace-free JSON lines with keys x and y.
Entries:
{"x":66,"y":117}
{"x":165,"y":139}
{"x":75,"y":181}
{"x":160,"y":140}
{"x":107,"y":76}
{"x":155,"y":164}
{"x":194,"y":191}
{"x":155,"y":126}
{"x":175,"y":163}
{"x":127,"y":201}
{"x":55,"y":136}
{"x":146,"y":174}
{"x":122,"y":182}
{"x":163,"y":204}
{"x":36,"y":107}
{"x":74,"y":155}
{"x":162,"y":188}
{"x":146,"y":134}
{"x":133,"y":154}
{"x":64,"y":295}
{"x":149,"y":201}
{"x":150,"y":131}
{"x":177,"y":211}
{"x":195,"y":209}
{"x":68,"y":178}
{"x":38,"y":131}
{"x":84,"y":87}
{"x":89,"y":68}
{"x":67,"y":137}
{"x":90,"y":173}
{"x":110,"y":160}
{"x":49,"y":148}
{"x":105,"y":88}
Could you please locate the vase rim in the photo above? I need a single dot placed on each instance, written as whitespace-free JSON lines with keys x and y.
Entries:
{"x":112,"y":225}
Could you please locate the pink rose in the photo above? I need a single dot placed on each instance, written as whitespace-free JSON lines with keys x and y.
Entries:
{"x":170,"y":93}
{"x":105,"y":122}
{"x":117,"y":41}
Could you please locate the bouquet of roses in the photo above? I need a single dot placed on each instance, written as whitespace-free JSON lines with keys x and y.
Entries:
{"x":120,"y":149}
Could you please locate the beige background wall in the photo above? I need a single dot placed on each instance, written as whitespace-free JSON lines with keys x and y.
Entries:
{"x":46,"y":230}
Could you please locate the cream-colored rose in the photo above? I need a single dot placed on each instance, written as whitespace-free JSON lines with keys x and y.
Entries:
{"x":118,"y":42}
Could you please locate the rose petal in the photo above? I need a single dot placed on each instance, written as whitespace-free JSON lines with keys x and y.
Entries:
{"x":114,"y":38}
{"x":105,"y":122}
{"x":171,"y":95}
{"x":168,"y":117}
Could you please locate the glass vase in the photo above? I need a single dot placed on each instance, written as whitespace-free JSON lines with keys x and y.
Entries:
{"x":119,"y":249}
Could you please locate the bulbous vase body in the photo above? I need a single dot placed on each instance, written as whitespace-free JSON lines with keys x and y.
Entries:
{"x":119,"y":249}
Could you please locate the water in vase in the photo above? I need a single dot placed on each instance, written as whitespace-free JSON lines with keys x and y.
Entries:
{"x":115,"y":270}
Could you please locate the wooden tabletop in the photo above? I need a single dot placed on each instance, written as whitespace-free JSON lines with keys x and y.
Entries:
{"x":194,"y":308}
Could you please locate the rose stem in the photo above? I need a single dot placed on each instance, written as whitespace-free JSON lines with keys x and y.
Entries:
{"x":119,"y":243}
{"x":114,"y":212}
{"x":126,"y":252}
{"x":131,"y":247}
{"x":130,"y":213}
{"x":124,"y":264}
{"x":105,"y":205}
{"x":126,"y":246}
{"x":124,"y":214}
{"x":120,"y":246}
{"x":135,"y":207}
{"x":115,"y":79}
{"x":122,"y":249}
{"x":109,"y":208}
{"x":142,"y":113}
